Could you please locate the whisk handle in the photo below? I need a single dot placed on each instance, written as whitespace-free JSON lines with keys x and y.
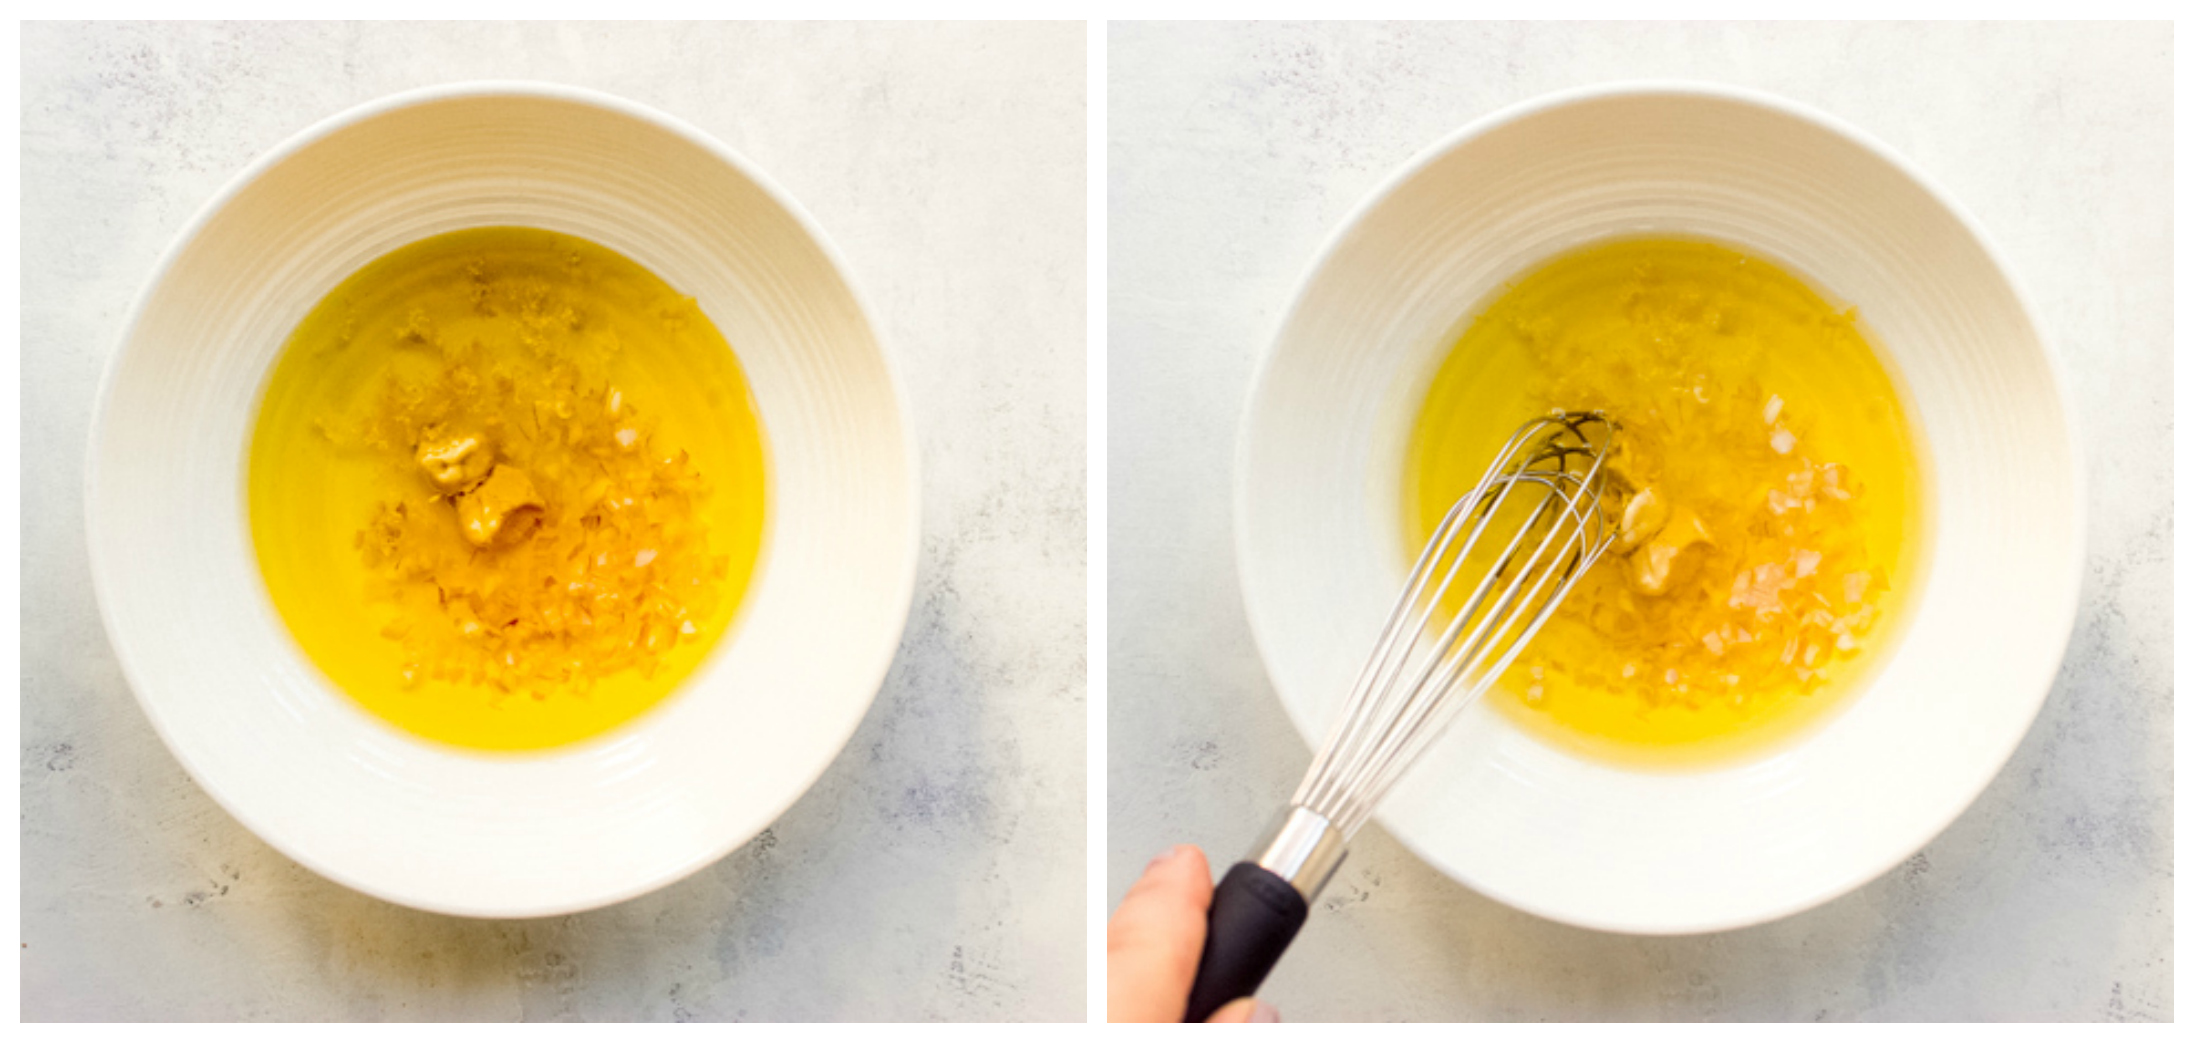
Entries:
{"x":1254,"y":915}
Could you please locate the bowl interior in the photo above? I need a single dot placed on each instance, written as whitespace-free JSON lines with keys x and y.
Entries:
{"x":1318,"y":501}
{"x":255,"y":723}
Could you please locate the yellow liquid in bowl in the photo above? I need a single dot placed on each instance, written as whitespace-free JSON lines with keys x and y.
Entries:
{"x":1749,"y":405}
{"x":586,"y":422}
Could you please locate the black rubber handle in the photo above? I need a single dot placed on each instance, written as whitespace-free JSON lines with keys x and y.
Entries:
{"x":1254,"y":915}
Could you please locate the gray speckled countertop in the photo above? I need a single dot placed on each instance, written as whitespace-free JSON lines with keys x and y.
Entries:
{"x":1235,"y":150}
{"x":937,"y":871}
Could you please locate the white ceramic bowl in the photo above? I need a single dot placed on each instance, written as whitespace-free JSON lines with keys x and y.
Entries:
{"x":1318,"y":531}
{"x":298,"y":763}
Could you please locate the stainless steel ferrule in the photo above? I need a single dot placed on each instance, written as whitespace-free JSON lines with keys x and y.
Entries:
{"x":1301,"y":848}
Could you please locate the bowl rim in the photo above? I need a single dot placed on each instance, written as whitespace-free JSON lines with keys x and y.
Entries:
{"x":102,"y":580}
{"x":1536,"y":105}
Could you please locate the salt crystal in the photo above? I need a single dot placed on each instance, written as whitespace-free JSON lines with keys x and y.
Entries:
{"x":626,"y":436}
{"x":1783,"y":441}
{"x":1774,"y":408}
{"x":1808,"y":560}
{"x":641,"y":559}
{"x":1855,"y":586}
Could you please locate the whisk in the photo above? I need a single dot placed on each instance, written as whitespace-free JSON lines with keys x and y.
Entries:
{"x":1550,"y":482}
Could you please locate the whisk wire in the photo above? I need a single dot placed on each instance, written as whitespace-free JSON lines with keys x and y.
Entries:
{"x":1410,"y":689}
{"x":1413,"y":708}
{"x":1442,"y":667}
{"x":1437,"y":711}
{"x":1315,"y":790}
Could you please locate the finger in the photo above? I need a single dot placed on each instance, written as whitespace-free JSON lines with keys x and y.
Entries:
{"x":1248,"y":1010}
{"x":1155,"y":938}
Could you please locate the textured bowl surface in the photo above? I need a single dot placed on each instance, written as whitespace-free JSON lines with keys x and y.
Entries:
{"x":1318,"y":501}
{"x":302,"y":766}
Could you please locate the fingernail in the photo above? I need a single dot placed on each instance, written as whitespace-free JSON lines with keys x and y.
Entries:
{"x":1264,"y":1014}
{"x":1165,"y":856}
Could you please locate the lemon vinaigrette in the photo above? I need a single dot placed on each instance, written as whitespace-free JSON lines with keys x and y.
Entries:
{"x":506,"y":488}
{"x":1768,"y":479}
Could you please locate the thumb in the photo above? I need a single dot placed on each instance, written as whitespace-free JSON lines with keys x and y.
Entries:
{"x":1156,"y":937}
{"x":1249,"y":1010}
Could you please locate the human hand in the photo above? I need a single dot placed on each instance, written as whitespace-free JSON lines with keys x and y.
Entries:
{"x":1155,"y":939}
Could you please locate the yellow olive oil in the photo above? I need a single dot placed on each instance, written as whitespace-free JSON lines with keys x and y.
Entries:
{"x":1777,"y":481}
{"x":506,"y":488}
